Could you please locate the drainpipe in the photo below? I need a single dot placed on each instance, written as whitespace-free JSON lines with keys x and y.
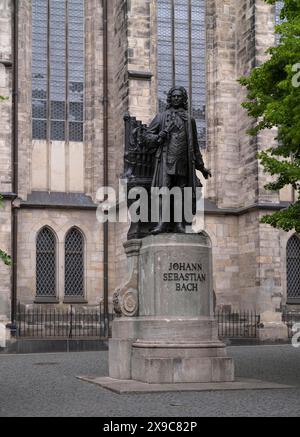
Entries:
{"x":14,"y":232}
{"x":105,"y":160}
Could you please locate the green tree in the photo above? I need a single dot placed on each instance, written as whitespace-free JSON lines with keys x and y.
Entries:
{"x":274,"y":101}
{"x":3,"y":255}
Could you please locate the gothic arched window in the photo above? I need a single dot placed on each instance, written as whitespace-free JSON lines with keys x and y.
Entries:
{"x":58,"y":70}
{"x":181,"y":49}
{"x":293,"y":269}
{"x":46,"y":263}
{"x":74,"y":264}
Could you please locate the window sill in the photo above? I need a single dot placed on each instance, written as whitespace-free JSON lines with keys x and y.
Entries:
{"x":295,"y":301}
{"x":80,"y":300}
{"x":46,"y":300}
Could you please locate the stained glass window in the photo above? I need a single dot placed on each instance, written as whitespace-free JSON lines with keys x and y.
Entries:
{"x":58,"y":69}
{"x":181,"y":28}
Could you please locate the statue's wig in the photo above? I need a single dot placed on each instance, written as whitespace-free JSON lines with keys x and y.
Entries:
{"x":184,"y":93}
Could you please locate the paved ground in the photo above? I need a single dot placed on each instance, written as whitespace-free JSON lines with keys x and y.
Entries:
{"x":46,"y":385}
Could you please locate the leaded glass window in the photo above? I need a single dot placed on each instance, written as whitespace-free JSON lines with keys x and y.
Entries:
{"x":181,"y":29}
{"x":46,"y":263}
{"x":58,"y":69}
{"x":74,"y":264}
{"x":293,"y":269}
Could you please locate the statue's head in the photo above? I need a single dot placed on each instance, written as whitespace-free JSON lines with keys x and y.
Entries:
{"x":177,"y":98}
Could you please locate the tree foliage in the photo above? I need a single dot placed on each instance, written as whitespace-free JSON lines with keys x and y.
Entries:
{"x":274,"y":101}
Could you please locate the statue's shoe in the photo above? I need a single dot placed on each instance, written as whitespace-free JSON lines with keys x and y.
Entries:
{"x":179,"y":228}
{"x":162,"y":228}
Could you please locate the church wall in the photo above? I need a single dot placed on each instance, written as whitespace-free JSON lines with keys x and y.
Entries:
{"x":270,"y":266}
{"x":238,"y":34}
{"x":5,"y":152}
{"x":30,"y":223}
{"x":5,"y":91}
{"x":247,"y":146}
{"x":118,"y":106}
{"x":222,"y":153}
{"x":223,"y":232}
{"x":265,"y":38}
{"x":249,"y":257}
{"x":24,"y":100}
{"x":135,"y":74}
{"x":141,"y":59}
{"x":5,"y":271}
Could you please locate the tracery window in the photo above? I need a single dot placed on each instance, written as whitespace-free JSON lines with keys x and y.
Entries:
{"x":58,"y":70}
{"x":181,"y":28}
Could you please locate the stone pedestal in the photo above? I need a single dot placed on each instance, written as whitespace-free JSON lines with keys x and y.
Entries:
{"x":272,"y":328}
{"x":173,"y":337}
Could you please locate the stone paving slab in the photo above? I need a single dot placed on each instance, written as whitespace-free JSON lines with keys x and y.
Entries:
{"x":131,"y":387}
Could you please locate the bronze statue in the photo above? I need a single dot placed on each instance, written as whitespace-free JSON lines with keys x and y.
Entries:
{"x":164,"y":155}
{"x":178,"y":155}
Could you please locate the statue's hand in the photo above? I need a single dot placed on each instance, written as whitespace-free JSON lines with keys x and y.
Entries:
{"x":163,"y":134}
{"x":206,"y":173}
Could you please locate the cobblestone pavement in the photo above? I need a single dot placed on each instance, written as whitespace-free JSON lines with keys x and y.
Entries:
{"x":46,"y":385}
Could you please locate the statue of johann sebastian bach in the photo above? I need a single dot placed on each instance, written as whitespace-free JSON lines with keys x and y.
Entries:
{"x":174,"y":135}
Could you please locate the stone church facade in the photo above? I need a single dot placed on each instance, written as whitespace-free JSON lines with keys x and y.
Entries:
{"x":71,"y":70}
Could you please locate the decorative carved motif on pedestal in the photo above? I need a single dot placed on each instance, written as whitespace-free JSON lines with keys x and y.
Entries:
{"x":125,"y":302}
{"x":125,"y":299}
